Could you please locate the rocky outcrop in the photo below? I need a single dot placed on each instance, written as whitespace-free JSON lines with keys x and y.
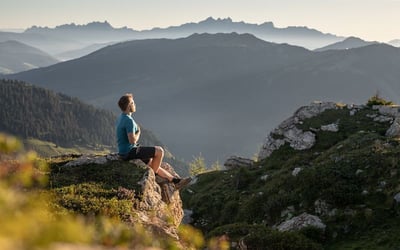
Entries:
{"x":160,"y":207}
{"x":287,"y":132}
{"x":153,"y":211}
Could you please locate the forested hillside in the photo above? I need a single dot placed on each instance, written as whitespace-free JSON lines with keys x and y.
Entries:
{"x":32,"y":112}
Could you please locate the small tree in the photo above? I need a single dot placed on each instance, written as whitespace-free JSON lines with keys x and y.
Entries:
{"x":197,"y":166}
{"x":216,"y":166}
{"x":378,"y":100}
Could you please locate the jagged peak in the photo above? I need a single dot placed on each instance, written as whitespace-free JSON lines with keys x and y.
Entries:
{"x":210,"y":19}
{"x":97,"y":25}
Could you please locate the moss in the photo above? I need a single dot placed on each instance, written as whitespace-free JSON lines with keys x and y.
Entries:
{"x":113,"y":175}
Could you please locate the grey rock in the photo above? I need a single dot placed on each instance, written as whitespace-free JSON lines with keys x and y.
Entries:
{"x":321,"y":207}
{"x":301,"y":221}
{"x":330,"y":127}
{"x":394,"y":129}
{"x":237,"y":162}
{"x":390,"y":110}
{"x":397,"y":198}
{"x":287,"y":132}
{"x":296,"y":171}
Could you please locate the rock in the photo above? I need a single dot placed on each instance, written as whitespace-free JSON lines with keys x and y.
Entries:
{"x":238,"y":162}
{"x":397,"y":198}
{"x":314,"y":109}
{"x":389,"y":110}
{"x":296,"y":171}
{"x":152,"y":200}
{"x":383,"y":118}
{"x":264,"y":177}
{"x":269,"y":146}
{"x":321,"y":207}
{"x":300,"y":140}
{"x":160,"y":206}
{"x":93,"y":159}
{"x":394,"y":129}
{"x":330,"y":127}
{"x":301,"y":221}
{"x":287,"y":132}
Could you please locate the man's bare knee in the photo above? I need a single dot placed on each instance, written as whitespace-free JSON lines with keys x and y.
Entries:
{"x":159,"y":151}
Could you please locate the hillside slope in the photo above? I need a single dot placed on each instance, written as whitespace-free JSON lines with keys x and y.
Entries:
{"x":17,"y":57}
{"x":345,"y":185}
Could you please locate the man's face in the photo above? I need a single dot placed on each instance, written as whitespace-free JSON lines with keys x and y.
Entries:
{"x":132,"y":106}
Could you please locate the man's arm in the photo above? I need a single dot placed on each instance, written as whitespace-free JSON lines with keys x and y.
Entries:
{"x":134,"y":138}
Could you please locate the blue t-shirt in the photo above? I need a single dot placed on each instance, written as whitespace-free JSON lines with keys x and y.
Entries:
{"x":125,"y":125}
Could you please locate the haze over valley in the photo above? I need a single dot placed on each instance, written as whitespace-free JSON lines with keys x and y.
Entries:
{"x":220,"y":94}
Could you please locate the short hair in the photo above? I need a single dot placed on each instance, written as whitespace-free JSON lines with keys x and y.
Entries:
{"x":124,"y":101}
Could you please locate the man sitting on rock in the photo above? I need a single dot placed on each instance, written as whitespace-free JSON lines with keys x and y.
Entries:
{"x":128,"y":134}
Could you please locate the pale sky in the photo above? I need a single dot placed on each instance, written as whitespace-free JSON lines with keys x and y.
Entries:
{"x":371,"y":20}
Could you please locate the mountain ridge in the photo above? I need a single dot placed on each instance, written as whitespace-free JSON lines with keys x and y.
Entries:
{"x":68,"y":37}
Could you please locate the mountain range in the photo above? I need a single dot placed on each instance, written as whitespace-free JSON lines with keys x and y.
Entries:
{"x":219,"y":94}
{"x":72,"y":37}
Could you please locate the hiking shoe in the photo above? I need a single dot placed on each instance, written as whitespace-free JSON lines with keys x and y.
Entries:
{"x":182,"y":183}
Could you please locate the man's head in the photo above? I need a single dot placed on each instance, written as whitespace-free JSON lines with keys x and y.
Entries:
{"x":126,"y":103}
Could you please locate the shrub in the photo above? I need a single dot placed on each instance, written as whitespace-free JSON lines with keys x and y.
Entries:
{"x":377,"y":100}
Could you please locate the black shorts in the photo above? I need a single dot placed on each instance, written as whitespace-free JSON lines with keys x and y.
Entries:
{"x":142,"y":153}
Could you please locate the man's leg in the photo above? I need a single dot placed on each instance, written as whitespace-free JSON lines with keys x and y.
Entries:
{"x":155,"y":164}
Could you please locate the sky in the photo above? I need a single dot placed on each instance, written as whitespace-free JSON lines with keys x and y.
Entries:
{"x":371,"y":20}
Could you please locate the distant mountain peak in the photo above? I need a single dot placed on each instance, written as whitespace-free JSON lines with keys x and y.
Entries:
{"x":228,"y":20}
{"x":96,"y":25}
{"x":348,"y":43}
{"x":213,"y":20}
{"x":92,"y":25}
{"x":353,"y":39}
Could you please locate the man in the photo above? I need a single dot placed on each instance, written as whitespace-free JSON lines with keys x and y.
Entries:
{"x":128,"y":134}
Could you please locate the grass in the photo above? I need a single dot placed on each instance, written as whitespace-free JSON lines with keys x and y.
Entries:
{"x":354,"y":171}
{"x":49,"y":149}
